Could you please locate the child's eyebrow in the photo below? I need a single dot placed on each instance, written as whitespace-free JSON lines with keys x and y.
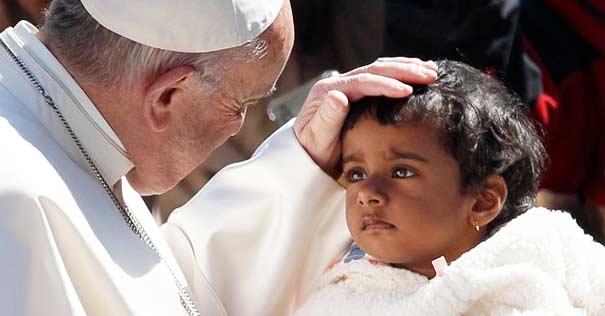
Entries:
{"x":407,"y":155}
{"x":395,"y":155}
{"x":349,"y":158}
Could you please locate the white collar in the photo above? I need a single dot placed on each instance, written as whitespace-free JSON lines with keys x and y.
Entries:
{"x":95,"y":134}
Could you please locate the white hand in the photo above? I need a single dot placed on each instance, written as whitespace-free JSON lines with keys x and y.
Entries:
{"x":321,"y":117}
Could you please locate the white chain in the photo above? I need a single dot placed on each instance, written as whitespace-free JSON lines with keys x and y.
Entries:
{"x":130,"y":219}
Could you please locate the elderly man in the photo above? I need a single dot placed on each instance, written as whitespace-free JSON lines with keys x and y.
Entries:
{"x":113,"y":98}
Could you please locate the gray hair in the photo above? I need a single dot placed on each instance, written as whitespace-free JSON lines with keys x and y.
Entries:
{"x":108,"y":59}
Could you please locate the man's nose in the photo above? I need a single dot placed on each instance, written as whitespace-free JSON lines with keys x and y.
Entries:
{"x":371,"y":195}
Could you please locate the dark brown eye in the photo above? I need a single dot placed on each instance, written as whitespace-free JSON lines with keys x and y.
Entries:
{"x":355,"y":175}
{"x":403,"y":173}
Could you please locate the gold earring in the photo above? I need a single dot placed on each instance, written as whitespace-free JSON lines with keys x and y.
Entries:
{"x":477,"y":226}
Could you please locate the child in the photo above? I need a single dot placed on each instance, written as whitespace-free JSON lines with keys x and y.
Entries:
{"x":452,"y":171}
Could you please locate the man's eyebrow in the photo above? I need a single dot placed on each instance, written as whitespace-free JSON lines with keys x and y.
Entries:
{"x":266,"y":95}
{"x":408,"y":155}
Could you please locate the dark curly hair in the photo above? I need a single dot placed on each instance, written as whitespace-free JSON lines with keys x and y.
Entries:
{"x":483,"y":125}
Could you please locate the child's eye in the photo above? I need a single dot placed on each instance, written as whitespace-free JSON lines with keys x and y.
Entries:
{"x":403,"y":173}
{"x":355,"y":175}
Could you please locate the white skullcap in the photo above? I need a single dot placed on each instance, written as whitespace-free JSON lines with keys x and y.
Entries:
{"x":190,"y":26}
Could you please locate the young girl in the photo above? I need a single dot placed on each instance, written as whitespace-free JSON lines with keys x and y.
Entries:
{"x":452,"y":172}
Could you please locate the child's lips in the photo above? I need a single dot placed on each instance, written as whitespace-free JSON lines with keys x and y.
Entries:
{"x":373,"y":223}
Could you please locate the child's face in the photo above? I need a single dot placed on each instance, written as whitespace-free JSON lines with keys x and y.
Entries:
{"x":405,"y":204}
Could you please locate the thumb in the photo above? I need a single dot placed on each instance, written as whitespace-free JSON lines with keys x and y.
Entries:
{"x":331,"y":115}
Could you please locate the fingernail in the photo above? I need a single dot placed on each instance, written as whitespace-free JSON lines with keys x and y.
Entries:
{"x":429,"y":73}
{"x":431,"y":64}
{"x":405,"y":89}
{"x":334,"y":106}
{"x":334,"y":102}
{"x":421,"y":71}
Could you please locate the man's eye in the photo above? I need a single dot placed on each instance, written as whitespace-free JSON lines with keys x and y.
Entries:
{"x":403,"y":173}
{"x":355,"y":175}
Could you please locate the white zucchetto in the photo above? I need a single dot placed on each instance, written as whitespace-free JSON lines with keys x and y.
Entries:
{"x":190,"y":26}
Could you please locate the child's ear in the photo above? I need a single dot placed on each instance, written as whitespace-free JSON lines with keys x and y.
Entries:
{"x":490,"y":198}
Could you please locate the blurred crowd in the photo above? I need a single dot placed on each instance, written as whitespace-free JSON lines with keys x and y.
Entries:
{"x":550,"y":52}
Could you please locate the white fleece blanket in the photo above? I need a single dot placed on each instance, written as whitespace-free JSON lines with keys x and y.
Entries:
{"x":540,"y":263}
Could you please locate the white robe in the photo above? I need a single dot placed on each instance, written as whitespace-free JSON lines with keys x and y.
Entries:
{"x":540,"y":263}
{"x":262,"y":231}
{"x":64,"y":247}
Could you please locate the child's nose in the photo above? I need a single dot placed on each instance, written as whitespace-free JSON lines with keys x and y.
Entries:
{"x":370,"y":196}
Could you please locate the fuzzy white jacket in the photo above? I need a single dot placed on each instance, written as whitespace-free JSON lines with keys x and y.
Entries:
{"x":540,"y":263}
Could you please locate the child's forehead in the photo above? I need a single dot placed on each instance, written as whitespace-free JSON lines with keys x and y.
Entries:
{"x":370,"y":138}
{"x":402,"y":130}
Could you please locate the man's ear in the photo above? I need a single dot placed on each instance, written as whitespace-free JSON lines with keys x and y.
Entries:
{"x":166,"y":95}
{"x":490,"y":198}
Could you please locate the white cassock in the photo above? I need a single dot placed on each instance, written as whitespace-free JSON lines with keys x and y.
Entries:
{"x":258,"y":235}
{"x":262,"y":231}
{"x":64,"y":247}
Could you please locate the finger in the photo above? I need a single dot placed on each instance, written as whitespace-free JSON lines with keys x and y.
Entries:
{"x":357,"y":86}
{"x":406,"y":72}
{"x":333,"y":110}
{"x":339,"y":100}
{"x":330,"y":116}
{"x":426,"y":63}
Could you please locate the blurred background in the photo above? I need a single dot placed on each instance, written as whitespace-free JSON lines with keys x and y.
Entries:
{"x":550,"y":52}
